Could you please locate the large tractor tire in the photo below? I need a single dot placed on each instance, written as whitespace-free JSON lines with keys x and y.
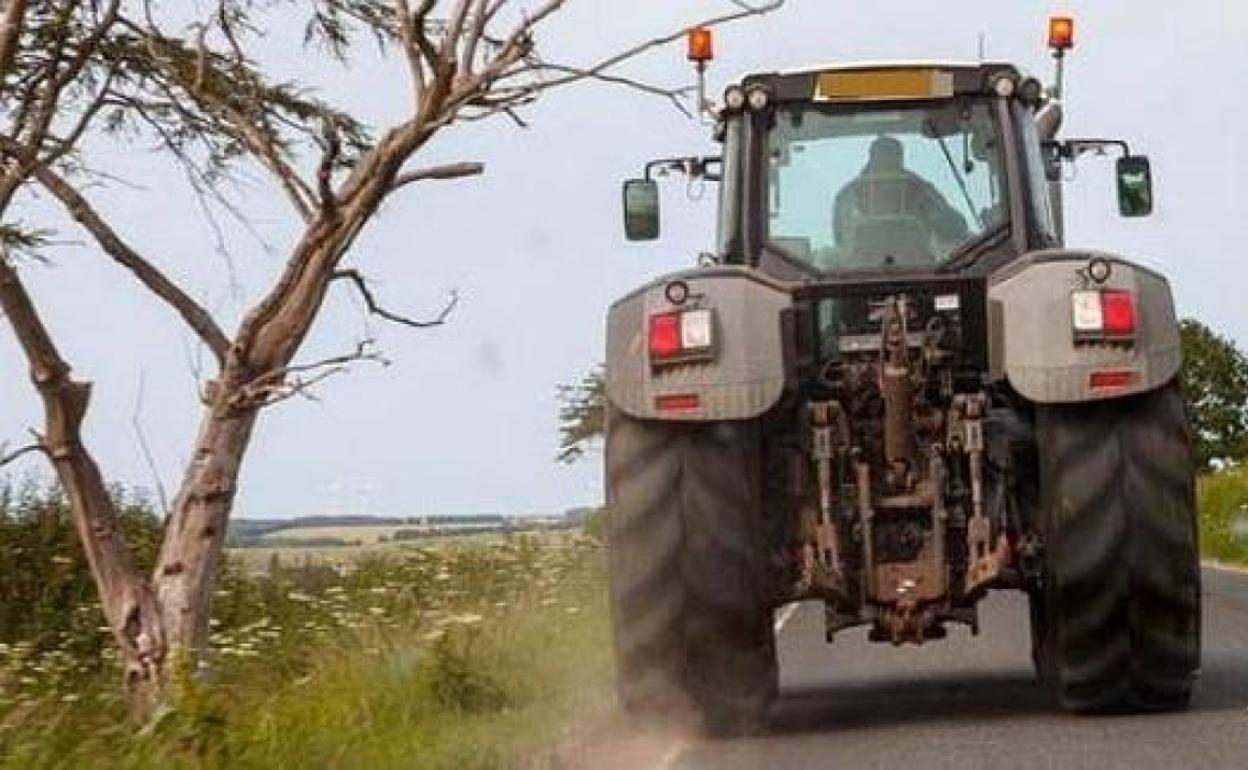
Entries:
{"x":1117,"y":622}
{"x":687,"y":570}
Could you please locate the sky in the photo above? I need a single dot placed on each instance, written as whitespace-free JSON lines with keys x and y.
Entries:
{"x":464,"y":419}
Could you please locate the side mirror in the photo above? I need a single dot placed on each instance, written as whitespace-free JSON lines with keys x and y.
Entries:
{"x":1052,"y":153}
{"x":641,"y":210}
{"x":1135,"y":186}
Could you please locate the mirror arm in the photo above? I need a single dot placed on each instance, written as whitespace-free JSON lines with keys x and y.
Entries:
{"x":1072,"y":149}
{"x":693,"y":167}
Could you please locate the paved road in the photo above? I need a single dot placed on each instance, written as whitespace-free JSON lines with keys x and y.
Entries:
{"x":971,"y":702}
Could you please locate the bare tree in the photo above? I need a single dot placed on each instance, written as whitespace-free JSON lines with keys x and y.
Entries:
{"x":200,"y":91}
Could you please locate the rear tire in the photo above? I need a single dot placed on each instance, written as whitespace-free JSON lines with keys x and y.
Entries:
{"x":1117,"y":624}
{"x":688,"y":572}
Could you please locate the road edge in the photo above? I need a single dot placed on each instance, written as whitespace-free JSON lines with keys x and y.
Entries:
{"x":1222,"y":566}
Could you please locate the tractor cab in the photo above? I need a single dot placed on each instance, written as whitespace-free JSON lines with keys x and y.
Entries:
{"x":887,"y":169}
{"x":879,"y":168}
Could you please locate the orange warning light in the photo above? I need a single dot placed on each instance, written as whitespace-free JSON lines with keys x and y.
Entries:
{"x":1061,"y":33}
{"x":701,"y":45}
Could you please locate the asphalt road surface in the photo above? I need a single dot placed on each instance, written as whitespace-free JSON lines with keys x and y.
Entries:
{"x":972,"y":702}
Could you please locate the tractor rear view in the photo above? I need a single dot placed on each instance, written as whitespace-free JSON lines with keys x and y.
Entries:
{"x":893,"y":388}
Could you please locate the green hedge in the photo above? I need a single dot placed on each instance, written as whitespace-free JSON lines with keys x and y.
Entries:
{"x":1223,"y":500}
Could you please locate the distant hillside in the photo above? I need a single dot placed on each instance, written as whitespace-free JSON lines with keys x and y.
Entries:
{"x":355,"y":530}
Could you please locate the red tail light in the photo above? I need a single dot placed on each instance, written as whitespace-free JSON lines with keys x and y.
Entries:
{"x":1118,"y":309}
{"x":665,"y":335}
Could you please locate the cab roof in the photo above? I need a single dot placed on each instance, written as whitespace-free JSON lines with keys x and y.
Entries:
{"x":954,"y":78}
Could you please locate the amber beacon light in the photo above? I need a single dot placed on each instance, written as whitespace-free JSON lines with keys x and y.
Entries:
{"x":701,"y":45}
{"x":1061,"y":33}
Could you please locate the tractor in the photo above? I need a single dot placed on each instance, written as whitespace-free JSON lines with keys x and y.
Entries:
{"x":892,"y":388}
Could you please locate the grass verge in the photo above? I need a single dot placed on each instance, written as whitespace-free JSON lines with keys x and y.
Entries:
{"x":461,"y":656}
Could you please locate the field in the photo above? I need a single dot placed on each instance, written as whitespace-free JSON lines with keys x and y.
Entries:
{"x":363,"y":535}
{"x":260,"y":558}
{"x":465,"y":655}
{"x":353,"y":535}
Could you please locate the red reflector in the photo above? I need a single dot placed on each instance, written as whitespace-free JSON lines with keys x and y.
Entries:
{"x":1118,"y":308}
{"x":1113,"y":380}
{"x":665,"y":335}
{"x":678,"y":402}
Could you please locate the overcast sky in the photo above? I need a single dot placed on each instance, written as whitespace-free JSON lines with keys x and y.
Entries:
{"x":464,"y":421}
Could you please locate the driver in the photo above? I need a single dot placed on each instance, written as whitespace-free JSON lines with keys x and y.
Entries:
{"x":890,"y":212}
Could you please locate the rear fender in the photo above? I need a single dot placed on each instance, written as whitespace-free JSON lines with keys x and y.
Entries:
{"x":1031,"y":329}
{"x":746,"y":375}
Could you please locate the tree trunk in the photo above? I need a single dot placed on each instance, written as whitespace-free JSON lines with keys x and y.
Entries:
{"x":129,"y":604}
{"x":196,"y":529}
{"x":164,"y":620}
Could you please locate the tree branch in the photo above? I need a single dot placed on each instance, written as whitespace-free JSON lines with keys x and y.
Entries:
{"x":448,"y":171}
{"x":298,"y":379}
{"x":331,"y":151}
{"x":675,"y":95}
{"x":7,"y":457}
{"x":195,"y":316}
{"x":596,"y":70}
{"x":141,"y":435}
{"x":420,"y":49}
{"x":376,"y":309}
{"x":250,"y":130}
{"x":10,"y":33}
{"x":43,"y":103}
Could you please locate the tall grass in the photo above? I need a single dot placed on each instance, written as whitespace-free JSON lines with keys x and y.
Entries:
{"x":461,"y":655}
{"x":1223,"y":502}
